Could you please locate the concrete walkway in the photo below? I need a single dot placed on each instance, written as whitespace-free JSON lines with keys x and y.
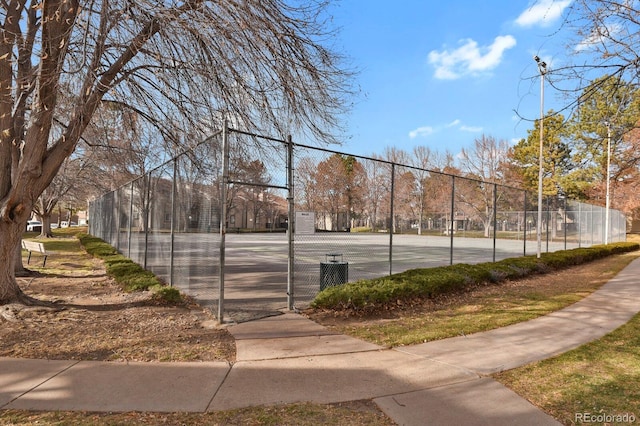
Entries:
{"x":287,"y":358}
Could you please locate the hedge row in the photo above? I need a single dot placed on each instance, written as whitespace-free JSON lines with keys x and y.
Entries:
{"x":427,"y":283}
{"x":130,"y":275}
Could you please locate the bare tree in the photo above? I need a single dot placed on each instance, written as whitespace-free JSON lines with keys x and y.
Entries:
{"x":377,"y":186}
{"x":484,"y":164}
{"x":605,"y":40}
{"x":405,"y":209}
{"x":262,"y":64}
{"x":423,"y":161}
{"x":306,"y":193}
{"x":123,"y":146}
{"x":602,"y":39}
{"x":485,"y":160}
{"x":66,"y":186}
{"x":396,"y":155}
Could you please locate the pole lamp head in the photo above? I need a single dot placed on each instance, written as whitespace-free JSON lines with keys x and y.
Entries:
{"x":542,"y":66}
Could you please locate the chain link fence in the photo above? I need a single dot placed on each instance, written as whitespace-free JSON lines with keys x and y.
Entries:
{"x":352,"y":218}
{"x":168,"y":221}
{"x":373,"y":217}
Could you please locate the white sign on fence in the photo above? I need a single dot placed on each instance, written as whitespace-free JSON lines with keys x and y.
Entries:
{"x":305,"y":223}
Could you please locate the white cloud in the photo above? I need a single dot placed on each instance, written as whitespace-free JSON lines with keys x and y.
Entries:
{"x":471,"y":129}
{"x":469,"y":58}
{"x":600,"y":36}
{"x":425,"y":131}
{"x":542,"y":13}
{"x":421,"y":131}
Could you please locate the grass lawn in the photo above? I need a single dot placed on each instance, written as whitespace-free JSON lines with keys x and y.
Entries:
{"x":66,"y":253}
{"x":359,"y":413}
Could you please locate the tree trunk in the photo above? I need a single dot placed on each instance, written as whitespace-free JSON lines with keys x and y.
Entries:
{"x":19,"y":268}
{"x":9,"y":246}
{"x":46,"y":226}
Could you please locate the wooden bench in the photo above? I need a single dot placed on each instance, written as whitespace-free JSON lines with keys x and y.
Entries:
{"x":31,"y":247}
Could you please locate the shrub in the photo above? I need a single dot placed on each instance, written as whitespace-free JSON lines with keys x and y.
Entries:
{"x":130,"y":275}
{"x":95,"y":246}
{"x":166,"y":294}
{"x":138,"y":280}
{"x":430,"y":282}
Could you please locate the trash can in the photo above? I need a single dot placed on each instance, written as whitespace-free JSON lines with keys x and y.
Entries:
{"x":333,"y":271}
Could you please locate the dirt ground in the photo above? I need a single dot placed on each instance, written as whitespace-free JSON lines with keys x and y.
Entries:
{"x":95,"y":320}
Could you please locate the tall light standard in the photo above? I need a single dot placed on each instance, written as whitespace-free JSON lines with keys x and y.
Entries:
{"x":542,"y":67}
{"x":607,"y":202}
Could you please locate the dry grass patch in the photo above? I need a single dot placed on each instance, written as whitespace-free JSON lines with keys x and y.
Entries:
{"x":360,"y":413}
{"x":94,"y":319}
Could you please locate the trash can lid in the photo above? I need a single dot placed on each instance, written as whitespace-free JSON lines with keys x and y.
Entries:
{"x":334,"y":256}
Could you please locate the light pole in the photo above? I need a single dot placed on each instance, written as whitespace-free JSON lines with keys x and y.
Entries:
{"x":542,"y":68}
{"x":607,"y":202}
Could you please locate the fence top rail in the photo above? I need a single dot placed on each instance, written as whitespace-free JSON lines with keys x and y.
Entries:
{"x":362,"y":157}
{"x":391,"y":163}
{"x":180,"y":154}
{"x":255,"y":135}
{"x":326,"y":150}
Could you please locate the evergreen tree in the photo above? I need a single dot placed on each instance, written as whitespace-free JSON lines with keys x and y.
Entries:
{"x":603,"y":126}
{"x":556,"y":157}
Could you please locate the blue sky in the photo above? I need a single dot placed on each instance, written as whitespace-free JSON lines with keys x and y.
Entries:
{"x":440,"y":74}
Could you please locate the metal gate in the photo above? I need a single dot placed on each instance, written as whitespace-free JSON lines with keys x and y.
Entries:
{"x":255,"y":225}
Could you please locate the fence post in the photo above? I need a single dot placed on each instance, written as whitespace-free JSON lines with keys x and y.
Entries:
{"x":173,"y":220}
{"x":290,"y":225}
{"x":564,"y":220}
{"x":579,"y":224}
{"x":451,"y":224}
{"x":592,"y":233}
{"x":602,"y":220}
{"x":524,"y":225}
{"x":392,"y":224}
{"x":147,"y":209}
{"x":495,"y":218}
{"x":548,"y":220}
{"x":129,"y":236}
{"x":223,"y":217}
{"x":91,"y":211}
{"x":118,"y":207}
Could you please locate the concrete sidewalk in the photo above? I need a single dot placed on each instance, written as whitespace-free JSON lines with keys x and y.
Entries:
{"x":287,"y":358}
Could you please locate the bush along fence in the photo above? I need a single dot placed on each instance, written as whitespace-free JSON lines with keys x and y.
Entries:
{"x":416,"y":284}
